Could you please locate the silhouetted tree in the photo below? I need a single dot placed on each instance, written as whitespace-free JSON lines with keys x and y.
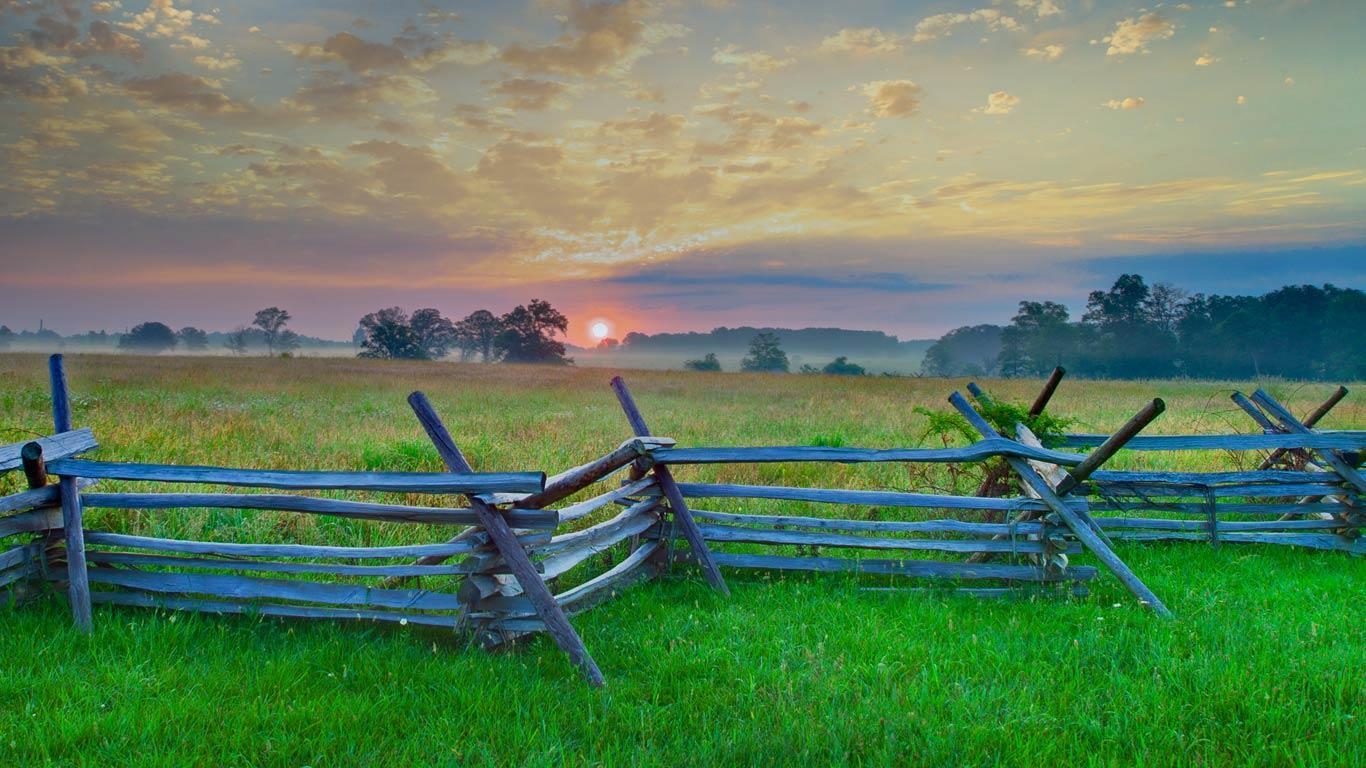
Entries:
{"x":6,"y":337}
{"x":435,"y":334}
{"x":478,"y":334}
{"x":708,"y":362}
{"x":608,"y":344}
{"x":841,"y":366}
{"x":149,"y":337}
{"x":966,"y":351}
{"x":1037,"y":339}
{"x":272,"y":321}
{"x":528,"y":334}
{"x":765,"y":354}
{"x":236,"y":342}
{"x":389,"y":335}
{"x":193,"y":338}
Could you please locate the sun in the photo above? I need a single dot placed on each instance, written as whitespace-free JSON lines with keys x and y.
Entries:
{"x":600,"y":329}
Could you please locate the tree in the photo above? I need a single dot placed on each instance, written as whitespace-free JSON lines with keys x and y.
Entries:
{"x":708,"y":362}
{"x":841,"y":366}
{"x":1037,"y":339}
{"x":478,"y":334}
{"x":528,"y":334}
{"x":6,"y":337}
{"x":236,"y":342}
{"x":966,"y":351}
{"x":765,"y":354}
{"x":608,"y":344}
{"x":389,"y":335}
{"x":272,"y":321}
{"x":435,"y":334}
{"x":149,"y":338}
{"x":193,"y":338}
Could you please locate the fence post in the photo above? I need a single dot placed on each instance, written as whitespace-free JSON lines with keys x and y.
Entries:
{"x":682,"y":516}
{"x":78,"y":579}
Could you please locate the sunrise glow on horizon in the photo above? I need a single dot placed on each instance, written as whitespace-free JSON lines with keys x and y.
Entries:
{"x":901,"y":166}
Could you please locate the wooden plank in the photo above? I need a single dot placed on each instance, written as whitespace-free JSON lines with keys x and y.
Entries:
{"x":252,"y":588}
{"x":232,"y":549}
{"x":1290,"y":423}
{"x":603,"y":538}
{"x":1110,"y":523}
{"x":169,"y":602}
{"x":531,"y":519}
{"x":568,"y":483}
{"x":25,"y":570}
{"x":34,"y":498}
{"x":78,"y":587}
{"x":1151,"y":504}
{"x":874,"y":526}
{"x":979,"y":451}
{"x":101,"y":557}
{"x":858,"y":498}
{"x":1157,"y":490}
{"x":646,"y":509}
{"x":735,"y":534}
{"x":19,"y":555}
{"x":1344,"y":440}
{"x":398,"y":482}
{"x":1079,"y":526}
{"x":556,"y":623}
{"x":682,"y":517}
{"x":1307,"y":540}
{"x":1246,"y":478}
{"x":59,"y":446}
{"x":634,"y":568}
{"x":1109,"y":448}
{"x":918,"y":568}
{"x":44,"y":519}
{"x":589,"y":506}
{"x":1046,"y":394}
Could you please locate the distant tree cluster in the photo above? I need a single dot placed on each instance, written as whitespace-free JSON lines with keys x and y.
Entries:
{"x":524,"y":335}
{"x":1134,"y":330}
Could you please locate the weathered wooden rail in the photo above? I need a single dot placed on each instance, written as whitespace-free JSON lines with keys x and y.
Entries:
{"x":534,"y":551}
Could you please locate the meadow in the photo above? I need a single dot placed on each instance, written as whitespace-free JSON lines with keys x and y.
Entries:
{"x":1262,"y":665}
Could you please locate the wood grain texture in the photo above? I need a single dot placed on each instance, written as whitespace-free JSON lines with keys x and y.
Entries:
{"x":1355,"y":440}
{"x":738,"y":534}
{"x":979,"y":451}
{"x":917,"y":568}
{"x":399,"y":482}
{"x":635,"y":567}
{"x":171,"y":602}
{"x":589,"y":506}
{"x":874,"y":526}
{"x":78,"y":585}
{"x":859,"y":498}
{"x":231,"y":549}
{"x":58,"y":446}
{"x":251,"y":588}
{"x":135,"y":560}
{"x":530,"y":519}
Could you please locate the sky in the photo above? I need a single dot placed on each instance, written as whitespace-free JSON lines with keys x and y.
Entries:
{"x":666,"y":164}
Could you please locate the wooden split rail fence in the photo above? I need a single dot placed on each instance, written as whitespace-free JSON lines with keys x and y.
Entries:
{"x":532,"y":551}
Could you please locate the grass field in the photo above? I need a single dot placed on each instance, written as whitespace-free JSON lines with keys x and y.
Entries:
{"x":1263,"y":664}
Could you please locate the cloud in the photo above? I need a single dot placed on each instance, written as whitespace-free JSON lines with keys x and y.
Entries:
{"x":752,"y":61}
{"x":892,"y":98}
{"x":1041,"y":8}
{"x":180,"y":91}
{"x":999,"y":103}
{"x":1132,"y":35}
{"x":656,"y":126}
{"x":1241,"y":100}
{"x":601,"y":38}
{"x":528,"y":94}
{"x":1051,"y":52}
{"x":332,"y":95}
{"x":218,"y":63}
{"x":861,"y":41}
{"x":1204,"y":60}
{"x":1128,"y":102}
{"x":942,"y":24}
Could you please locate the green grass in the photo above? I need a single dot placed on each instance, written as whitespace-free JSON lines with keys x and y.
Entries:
{"x":1262,"y":665}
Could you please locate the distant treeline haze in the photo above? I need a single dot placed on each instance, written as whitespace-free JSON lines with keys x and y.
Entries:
{"x":1134,"y":331}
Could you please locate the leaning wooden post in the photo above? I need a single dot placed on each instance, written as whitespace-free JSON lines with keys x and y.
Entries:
{"x":35,"y":470}
{"x":682,"y":516}
{"x":556,"y":623}
{"x":1080,"y":529}
{"x":1078,"y":474}
{"x":1046,"y":394}
{"x":78,"y":579}
{"x":1287,"y":420}
{"x":1309,"y":421}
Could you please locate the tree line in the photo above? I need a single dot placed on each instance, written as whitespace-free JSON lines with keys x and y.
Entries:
{"x":524,"y":335}
{"x":1134,"y":330}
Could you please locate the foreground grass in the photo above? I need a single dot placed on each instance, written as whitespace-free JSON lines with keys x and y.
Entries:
{"x":1263,"y":664}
